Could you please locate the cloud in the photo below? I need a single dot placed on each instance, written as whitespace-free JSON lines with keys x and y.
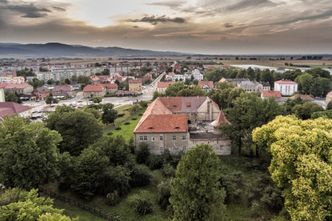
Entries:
{"x":245,"y":4}
{"x":170,"y":4}
{"x":228,"y":25}
{"x":57,"y":8}
{"x":25,"y":10}
{"x":154,"y":20}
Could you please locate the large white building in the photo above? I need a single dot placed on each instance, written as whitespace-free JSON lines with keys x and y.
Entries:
{"x":197,"y":75}
{"x":286,"y":87}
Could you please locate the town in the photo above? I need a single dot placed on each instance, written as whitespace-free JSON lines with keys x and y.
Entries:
{"x":159,"y":110}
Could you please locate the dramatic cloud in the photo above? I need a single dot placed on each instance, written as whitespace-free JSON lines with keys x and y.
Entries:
{"x":154,"y":20}
{"x":204,"y":26}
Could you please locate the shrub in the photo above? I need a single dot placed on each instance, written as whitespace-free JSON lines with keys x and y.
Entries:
{"x":168,"y":170}
{"x":142,"y":205}
{"x":113,"y":198}
{"x":155,"y":162}
{"x":121,"y":115}
{"x":143,"y":153}
{"x":164,"y":193}
{"x":140,"y":176}
{"x":126,"y":123}
{"x":118,"y":128}
{"x":134,"y":118}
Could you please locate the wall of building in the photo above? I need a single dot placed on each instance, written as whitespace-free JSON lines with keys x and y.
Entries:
{"x":221,"y":146}
{"x":159,"y":142}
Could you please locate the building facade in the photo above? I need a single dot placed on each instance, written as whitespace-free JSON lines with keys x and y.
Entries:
{"x":286,"y":87}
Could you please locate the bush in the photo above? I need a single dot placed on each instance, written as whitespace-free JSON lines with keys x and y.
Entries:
{"x":164,"y":193}
{"x":113,"y":198}
{"x":140,"y":176}
{"x":121,"y":115}
{"x":168,"y":170}
{"x":233,"y":184}
{"x":142,"y":205}
{"x":134,"y":118}
{"x":126,"y":123}
{"x":155,"y":162}
{"x":118,"y":128}
{"x":143,"y":153}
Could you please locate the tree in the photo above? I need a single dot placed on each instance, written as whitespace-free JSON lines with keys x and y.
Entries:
{"x":143,"y":153}
{"x":35,"y":83}
{"x":28,"y":153}
{"x":83,"y":80}
{"x":301,"y":164}
{"x":305,"y":110}
{"x":67,"y":81}
{"x":90,"y":167}
{"x":305,"y":82}
{"x":164,"y":193}
{"x":109,"y":114}
{"x":248,"y":112}
{"x":196,"y":193}
{"x":79,"y":129}
{"x":20,"y":205}
{"x":12,"y":97}
{"x":329,"y":106}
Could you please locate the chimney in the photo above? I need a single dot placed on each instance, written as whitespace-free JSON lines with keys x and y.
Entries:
{"x":2,"y":95}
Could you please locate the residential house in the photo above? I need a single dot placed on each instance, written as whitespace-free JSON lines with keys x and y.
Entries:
{"x":101,"y":79}
{"x":251,"y":86}
{"x":8,"y":109}
{"x":197,"y":75}
{"x":206,"y":85}
{"x":162,"y":86}
{"x":12,"y":79}
{"x":271,"y":94}
{"x":266,"y":86}
{"x":135,"y":85}
{"x":181,"y":77}
{"x":286,"y":87}
{"x":178,"y":123}
{"x":111,"y":88}
{"x":65,"y":91}
{"x":21,"y":89}
{"x":41,"y":93}
{"x":94,"y":90}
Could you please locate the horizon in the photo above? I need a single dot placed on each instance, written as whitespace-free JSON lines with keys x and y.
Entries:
{"x":188,"y":26}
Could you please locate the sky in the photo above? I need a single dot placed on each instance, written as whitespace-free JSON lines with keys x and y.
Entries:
{"x":198,"y":26}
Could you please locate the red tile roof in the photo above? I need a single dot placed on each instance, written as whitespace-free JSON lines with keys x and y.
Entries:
{"x":62,"y":88}
{"x":168,"y":123}
{"x":182,"y":104}
{"x":111,"y":86}
{"x":93,"y":88}
{"x":203,"y":84}
{"x":135,"y":81}
{"x":14,"y":86}
{"x":275,"y":94}
{"x":285,"y":82}
{"x":164,"y":84}
{"x":11,"y":108}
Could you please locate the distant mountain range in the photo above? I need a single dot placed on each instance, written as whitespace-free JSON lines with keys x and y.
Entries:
{"x":65,"y":50}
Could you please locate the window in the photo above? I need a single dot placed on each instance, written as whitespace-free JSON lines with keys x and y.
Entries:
{"x":161,"y":137}
{"x":174,"y":137}
{"x":141,"y":138}
{"x":145,"y":137}
{"x":184,"y":137}
{"x":152,"y":139}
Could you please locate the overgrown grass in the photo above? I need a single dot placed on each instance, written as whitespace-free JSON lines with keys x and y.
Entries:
{"x":126,"y":130}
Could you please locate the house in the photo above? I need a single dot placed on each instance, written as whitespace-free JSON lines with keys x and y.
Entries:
{"x":181,"y":77}
{"x":12,"y":79}
{"x":271,"y":94}
{"x":8,"y":109}
{"x":197,"y":75}
{"x":206,"y":85}
{"x":21,"y":88}
{"x":111,"y":88}
{"x":162,"y":86}
{"x":250,"y":86}
{"x":266,"y":86}
{"x":101,"y":79}
{"x":135,"y":85}
{"x":41,"y":93}
{"x":286,"y":87}
{"x":63,"y":91}
{"x":328,"y":97}
{"x":94,"y":90}
{"x":178,"y":123}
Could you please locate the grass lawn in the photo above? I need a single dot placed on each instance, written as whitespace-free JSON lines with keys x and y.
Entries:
{"x":126,"y":130}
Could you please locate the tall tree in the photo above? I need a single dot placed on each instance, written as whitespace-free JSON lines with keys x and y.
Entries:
{"x":301,"y":164}
{"x":109,"y":114}
{"x":28,"y":153}
{"x":79,"y":129}
{"x":196,"y":193}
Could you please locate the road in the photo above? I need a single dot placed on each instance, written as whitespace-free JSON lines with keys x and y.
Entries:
{"x":79,"y":100}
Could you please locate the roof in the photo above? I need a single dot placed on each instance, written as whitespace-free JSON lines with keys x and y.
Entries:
{"x":135,"y":81}
{"x":93,"y":88}
{"x":204,"y":84}
{"x":303,"y":97}
{"x":285,"y":82}
{"x":111,"y":86}
{"x":11,"y":108}
{"x":182,"y":104}
{"x":275,"y":94}
{"x":165,"y":123}
{"x":14,"y":86}
{"x":220,"y":120}
{"x":65,"y":87}
{"x":164,"y":84}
